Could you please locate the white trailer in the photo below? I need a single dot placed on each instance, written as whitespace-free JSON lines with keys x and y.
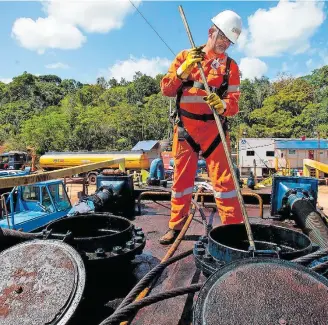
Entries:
{"x":256,"y":155}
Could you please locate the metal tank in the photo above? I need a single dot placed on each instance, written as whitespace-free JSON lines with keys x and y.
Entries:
{"x":54,"y":160}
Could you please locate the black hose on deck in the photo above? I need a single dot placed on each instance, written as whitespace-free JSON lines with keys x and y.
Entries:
{"x":310,"y":221}
{"x":126,"y":312}
{"x":156,"y":271}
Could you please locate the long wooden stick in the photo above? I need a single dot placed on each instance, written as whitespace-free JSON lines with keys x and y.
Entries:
{"x":223,"y":139}
{"x":34,"y":178}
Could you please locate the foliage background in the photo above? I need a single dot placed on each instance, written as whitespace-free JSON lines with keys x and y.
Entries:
{"x":52,"y":114}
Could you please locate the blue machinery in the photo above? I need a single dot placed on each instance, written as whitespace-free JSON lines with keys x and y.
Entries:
{"x":293,"y":198}
{"x":296,"y":198}
{"x":156,"y":173}
{"x":114,"y":193}
{"x":29,"y":207}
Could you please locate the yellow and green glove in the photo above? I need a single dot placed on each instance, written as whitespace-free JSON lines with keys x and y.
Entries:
{"x":215,"y":102}
{"x":195,"y":55}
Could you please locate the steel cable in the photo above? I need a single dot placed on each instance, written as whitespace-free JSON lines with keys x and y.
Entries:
{"x":156,"y":271}
{"x":4,"y":232}
{"x":311,"y":257}
{"x":131,"y":309}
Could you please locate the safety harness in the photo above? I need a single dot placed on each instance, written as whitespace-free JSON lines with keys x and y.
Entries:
{"x":182,"y":132}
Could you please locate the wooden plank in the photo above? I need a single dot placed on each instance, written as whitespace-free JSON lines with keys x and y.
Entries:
{"x":6,"y":182}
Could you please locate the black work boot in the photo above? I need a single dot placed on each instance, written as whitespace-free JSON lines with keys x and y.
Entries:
{"x":169,"y":237}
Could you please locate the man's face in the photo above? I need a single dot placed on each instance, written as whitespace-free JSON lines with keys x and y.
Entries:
{"x":218,"y":41}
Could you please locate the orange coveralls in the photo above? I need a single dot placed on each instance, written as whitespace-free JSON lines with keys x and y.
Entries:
{"x":203,"y":132}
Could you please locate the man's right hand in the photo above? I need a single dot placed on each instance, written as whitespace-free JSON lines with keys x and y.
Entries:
{"x":194,"y":56}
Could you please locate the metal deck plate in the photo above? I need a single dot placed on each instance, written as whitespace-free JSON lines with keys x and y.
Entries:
{"x":41,"y":282}
{"x":263,"y":291}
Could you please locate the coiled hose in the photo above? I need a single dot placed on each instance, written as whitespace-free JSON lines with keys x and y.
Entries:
{"x":310,"y":221}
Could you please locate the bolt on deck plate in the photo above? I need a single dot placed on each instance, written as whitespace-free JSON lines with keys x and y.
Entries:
{"x":41,"y":282}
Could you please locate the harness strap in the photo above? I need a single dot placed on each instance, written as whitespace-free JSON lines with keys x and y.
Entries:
{"x":200,"y":117}
{"x":215,"y":143}
{"x":182,"y":132}
{"x":184,"y":135}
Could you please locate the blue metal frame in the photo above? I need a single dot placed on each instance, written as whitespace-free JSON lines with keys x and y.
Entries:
{"x":282,"y":184}
{"x":28,"y":215}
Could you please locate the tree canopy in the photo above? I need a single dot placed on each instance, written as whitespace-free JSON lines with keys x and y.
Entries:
{"x":54,"y":114}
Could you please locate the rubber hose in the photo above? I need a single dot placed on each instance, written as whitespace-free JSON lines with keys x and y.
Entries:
{"x":4,"y":232}
{"x":156,"y":271}
{"x":310,"y":221}
{"x":131,"y":309}
{"x":310,"y":257}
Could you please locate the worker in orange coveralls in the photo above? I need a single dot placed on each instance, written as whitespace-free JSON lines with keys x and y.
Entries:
{"x":195,"y":129}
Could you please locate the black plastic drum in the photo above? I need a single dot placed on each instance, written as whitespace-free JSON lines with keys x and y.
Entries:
{"x":41,"y":282}
{"x":262,"y":291}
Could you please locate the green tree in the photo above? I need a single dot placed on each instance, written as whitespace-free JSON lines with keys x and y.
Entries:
{"x":142,"y":86}
{"x":112,"y":83}
{"x":46,"y":132}
{"x":101,"y":81}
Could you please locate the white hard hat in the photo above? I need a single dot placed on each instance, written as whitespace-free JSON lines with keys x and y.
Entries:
{"x":229,"y":23}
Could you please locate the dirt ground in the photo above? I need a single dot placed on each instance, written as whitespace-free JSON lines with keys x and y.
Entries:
{"x":323,"y":198}
{"x":73,"y":189}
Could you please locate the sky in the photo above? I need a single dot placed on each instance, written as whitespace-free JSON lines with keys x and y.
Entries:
{"x":87,"y":39}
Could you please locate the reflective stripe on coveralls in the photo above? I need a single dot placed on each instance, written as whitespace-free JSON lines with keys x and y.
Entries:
{"x":203,"y":133}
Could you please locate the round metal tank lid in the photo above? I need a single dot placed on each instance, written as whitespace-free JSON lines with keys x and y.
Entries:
{"x":263,"y":291}
{"x":41,"y":282}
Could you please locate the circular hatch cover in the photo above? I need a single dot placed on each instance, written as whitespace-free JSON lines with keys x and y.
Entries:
{"x":262,"y":291}
{"x":41,"y":282}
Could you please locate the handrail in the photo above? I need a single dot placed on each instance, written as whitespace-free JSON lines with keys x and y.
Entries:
{"x":202,"y":195}
{"x":318,"y":166}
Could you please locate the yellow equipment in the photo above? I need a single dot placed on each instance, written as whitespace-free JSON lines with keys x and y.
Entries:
{"x":54,"y":160}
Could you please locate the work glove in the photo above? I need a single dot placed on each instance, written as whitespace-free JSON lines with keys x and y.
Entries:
{"x":195,"y":55}
{"x":215,"y":102}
